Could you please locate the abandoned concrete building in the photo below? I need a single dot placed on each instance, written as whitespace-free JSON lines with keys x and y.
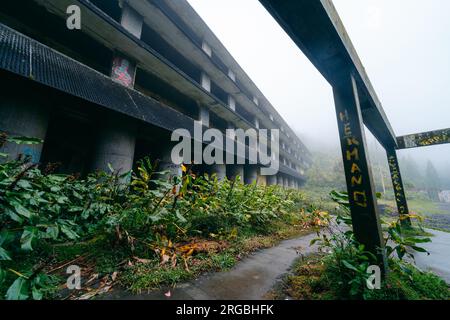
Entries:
{"x":113,"y":91}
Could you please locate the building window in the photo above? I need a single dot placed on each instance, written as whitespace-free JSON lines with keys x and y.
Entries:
{"x":232,"y":103}
{"x":255,"y":101}
{"x":231,"y":75}
{"x":207,"y":49}
{"x":206,"y":82}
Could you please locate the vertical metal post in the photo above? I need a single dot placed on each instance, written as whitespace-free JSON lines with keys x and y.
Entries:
{"x":361,"y":191}
{"x":399,"y":190}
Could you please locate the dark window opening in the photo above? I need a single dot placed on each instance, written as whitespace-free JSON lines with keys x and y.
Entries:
{"x":68,"y":145}
{"x":159,"y":90}
{"x":110,"y":7}
{"x":28,"y":19}
{"x":244,"y":113}
{"x":219,"y":93}
{"x":156,"y":42}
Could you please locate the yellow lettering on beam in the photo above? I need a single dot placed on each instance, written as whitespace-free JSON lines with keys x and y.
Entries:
{"x":343,"y":116}
{"x":360,"y":198}
{"x":355,"y":168}
{"x":347,"y":130}
{"x":353,"y":154}
{"x":352,"y":141}
{"x":356,"y":180}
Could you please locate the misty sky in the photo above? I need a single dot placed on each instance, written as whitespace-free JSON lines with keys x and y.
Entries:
{"x":403,"y":44}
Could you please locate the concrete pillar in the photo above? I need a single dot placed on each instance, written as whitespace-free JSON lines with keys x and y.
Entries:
{"x":171,"y":165}
{"x":256,"y":122}
{"x":205,"y":82}
{"x":262,"y":180}
{"x":203,"y":116}
{"x":292,"y":183}
{"x":286,"y":182}
{"x":22,"y":116}
{"x":280,"y":180}
{"x":115,"y":143}
{"x":235,"y":170}
{"x":250,"y":174}
{"x":231,"y":103}
{"x":272,"y":180}
{"x":220,"y":170}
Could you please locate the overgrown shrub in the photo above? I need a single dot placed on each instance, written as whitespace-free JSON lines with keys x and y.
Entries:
{"x":141,"y":209}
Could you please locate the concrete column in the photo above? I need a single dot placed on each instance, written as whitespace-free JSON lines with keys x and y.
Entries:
{"x":250,"y":174}
{"x":115,"y":145}
{"x":280,"y":181}
{"x":292,"y":183}
{"x":220,"y":170}
{"x":231,"y":103}
{"x":205,"y":82}
{"x":203,"y":116}
{"x":272,"y":180}
{"x":22,"y":116}
{"x":256,"y":122}
{"x":286,"y":182}
{"x":234,"y":170}
{"x":262,"y":180}
{"x":170,"y":165}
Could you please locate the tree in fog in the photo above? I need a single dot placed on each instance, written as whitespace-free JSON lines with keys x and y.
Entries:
{"x":432,"y":181}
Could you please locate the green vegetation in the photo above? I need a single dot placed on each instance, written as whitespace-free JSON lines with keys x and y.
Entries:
{"x":341,"y":272}
{"x":137,"y":229}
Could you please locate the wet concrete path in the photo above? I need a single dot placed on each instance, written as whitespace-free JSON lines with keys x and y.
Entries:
{"x":439,"y":259}
{"x":250,"y":279}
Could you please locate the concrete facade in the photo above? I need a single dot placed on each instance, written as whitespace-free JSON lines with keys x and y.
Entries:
{"x":23,"y":116}
{"x":165,"y":56}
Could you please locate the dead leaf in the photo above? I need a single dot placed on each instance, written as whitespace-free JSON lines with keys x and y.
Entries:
{"x":144,"y":261}
{"x":164,"y":259}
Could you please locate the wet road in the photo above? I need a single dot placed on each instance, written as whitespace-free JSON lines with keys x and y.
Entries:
{"x":250,"y":279}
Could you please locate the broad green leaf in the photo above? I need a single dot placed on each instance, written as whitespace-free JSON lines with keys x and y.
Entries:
{"x":27,"y":238}
{"x":72,"y":235}
{"x":18,"y":290}
{"x":4,"y":255}
{"x":25,"y":140}
{"x":36,"y":293}
{"x":3,"y":155}
{"x":22,"y":210}
{"x":349,"y":266}
{"x":2,"y":276}
{"x":52,"y":232}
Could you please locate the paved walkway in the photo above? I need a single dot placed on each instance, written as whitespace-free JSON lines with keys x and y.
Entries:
{"x":439,"y":259}
{"x":253,"y":277}
{"x":250,"y":279}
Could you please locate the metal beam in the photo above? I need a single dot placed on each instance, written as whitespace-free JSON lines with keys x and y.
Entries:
{"x":358,"y":175}
{"x":424,"y":139}
{"x":399,"y":190}
{"x":315,"y":26}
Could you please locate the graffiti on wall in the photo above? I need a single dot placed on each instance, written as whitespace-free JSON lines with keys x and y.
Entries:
{"x":122,"y":72}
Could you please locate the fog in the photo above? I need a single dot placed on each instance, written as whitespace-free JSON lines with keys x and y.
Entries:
{"x":403,"y":44}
